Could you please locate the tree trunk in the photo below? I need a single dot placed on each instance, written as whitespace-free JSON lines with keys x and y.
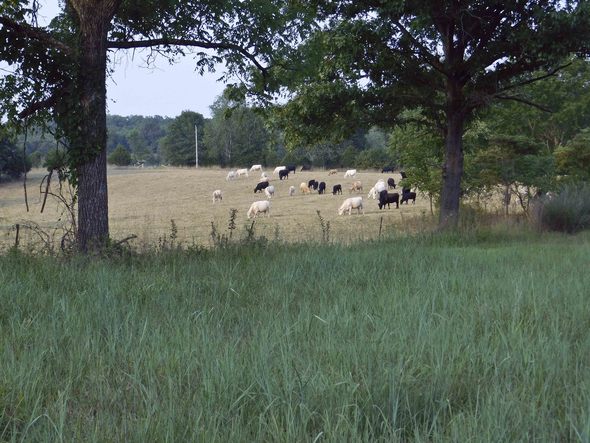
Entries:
{"x":453,"y":167}
{"x":90,"y":147}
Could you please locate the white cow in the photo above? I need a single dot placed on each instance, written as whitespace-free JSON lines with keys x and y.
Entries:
{"x":277,"y":169}
{"x":258,"y":207}
{"x":291,"y":191}
{"x":256,"y":168}
{"x":350,"y":204}
{"x":264,"y":175}
{"x":350,"y":173}
{"x":269,"y":191}
{"x":217,"y":196}
{"x":242,"y":172}
{"x":231,"y":175}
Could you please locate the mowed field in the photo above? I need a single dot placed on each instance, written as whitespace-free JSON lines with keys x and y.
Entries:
{"x":143,"y":202}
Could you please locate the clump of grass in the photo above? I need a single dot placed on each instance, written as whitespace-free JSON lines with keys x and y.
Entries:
{"x":567,"y":211}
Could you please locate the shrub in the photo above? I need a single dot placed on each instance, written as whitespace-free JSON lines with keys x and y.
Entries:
{"x":568,"y":211}
{"x":120,"y":157}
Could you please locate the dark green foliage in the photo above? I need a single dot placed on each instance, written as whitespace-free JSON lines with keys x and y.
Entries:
{"x":120,"y":157}
{"x":178,"y":146}
{"x":566,"y":211}
{"x":12,"y":163}
{"x":573,"y":159}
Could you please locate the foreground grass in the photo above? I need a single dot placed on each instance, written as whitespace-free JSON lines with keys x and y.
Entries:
{"x":444,"y":339}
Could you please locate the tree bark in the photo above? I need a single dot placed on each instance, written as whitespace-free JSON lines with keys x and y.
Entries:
{"x":93,"y":224}
{"x":453,"y":166}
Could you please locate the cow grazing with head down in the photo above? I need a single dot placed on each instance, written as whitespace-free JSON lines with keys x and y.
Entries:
{"x":322,"y":188}
{"x":406,"y":196}
{"x":391,"y":183}
{"x":283,"y":173}
{"x":261,"y":186}
{"x":337,"y":189}
{"x":386,"y":198}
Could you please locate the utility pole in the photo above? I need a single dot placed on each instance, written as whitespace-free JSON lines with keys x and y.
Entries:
{"x":196,"y":147}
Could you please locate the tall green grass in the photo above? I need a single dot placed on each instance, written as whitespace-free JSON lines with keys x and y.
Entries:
{"x":478,"y":338}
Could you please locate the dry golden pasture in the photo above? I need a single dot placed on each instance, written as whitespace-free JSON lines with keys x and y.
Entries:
{"x":144,"y":201}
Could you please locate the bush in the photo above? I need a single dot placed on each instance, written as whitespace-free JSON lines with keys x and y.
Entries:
{"x":568,"y":211}
{"x":120,"y":157}
{"x":12,"y":165}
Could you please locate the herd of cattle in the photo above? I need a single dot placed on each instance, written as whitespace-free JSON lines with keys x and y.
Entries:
{"x":378,"y":192}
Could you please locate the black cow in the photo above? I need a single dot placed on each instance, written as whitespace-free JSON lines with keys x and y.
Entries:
{"x":283,"y":173}
{"x":322,"y":188}
{"x":260,"y":187}
{"x":291,"y":168}
{"x":385,"y":199}
{"x":403,"y":174}
{"x":305,"y":168}
{"x":313,"y":184}
{"x":391,"y":183}
{"x":337,"y":189}
{"x":406,"y":196}
{"x":387,"y":169}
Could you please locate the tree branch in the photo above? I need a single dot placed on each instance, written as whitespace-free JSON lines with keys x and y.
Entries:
{"x":523,"y":100}
{"x":551,"y":73}
{"x":430,"y":59}
{"x":185,"y":42}
{"x":34,"y":33}
{"x":38,"y":106}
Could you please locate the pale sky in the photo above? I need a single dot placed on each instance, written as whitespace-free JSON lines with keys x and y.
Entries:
{"x":166,"y":91}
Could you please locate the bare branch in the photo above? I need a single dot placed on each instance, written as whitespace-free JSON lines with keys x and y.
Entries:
{"x":185,"y":42}
{"x":551,"y":73}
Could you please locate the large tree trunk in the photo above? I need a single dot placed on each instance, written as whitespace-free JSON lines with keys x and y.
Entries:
{"x":94,"y":19}
{"x":453,"y":167}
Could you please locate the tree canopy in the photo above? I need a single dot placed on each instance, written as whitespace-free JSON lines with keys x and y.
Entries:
{"x":369,"y":61}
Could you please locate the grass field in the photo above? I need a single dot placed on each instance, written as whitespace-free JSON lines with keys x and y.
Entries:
{"x":144,"y":201}
{"x":482,"y":337}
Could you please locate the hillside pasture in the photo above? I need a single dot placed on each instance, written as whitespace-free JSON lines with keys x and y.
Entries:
{"x":145,"y":201}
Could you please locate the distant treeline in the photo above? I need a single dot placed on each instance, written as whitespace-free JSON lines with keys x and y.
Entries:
{"x":234,"y":136}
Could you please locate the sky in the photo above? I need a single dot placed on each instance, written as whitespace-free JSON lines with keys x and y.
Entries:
{"x":166,"y":91}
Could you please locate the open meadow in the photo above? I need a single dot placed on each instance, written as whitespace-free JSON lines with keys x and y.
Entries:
{"x":481,"y":338}
{"x":143,"y":201}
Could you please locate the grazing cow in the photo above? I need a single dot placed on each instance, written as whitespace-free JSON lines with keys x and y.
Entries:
{"x":333,"y":171}
{"x":386,"y":198}
{"x":322,"y":188}
{"x":264,"y":175}
{"x":269,"y":191}
{"x":291,"y":168}
{"x":291,"y":191}
{"x":313,"y":184}
{"x":258,"y":207}
{"x":242,"y":172}
{"x":217,"y":196}
{"x":350,"y":173}
{"x":356,"y":186}
{"x":231,"y":175}
{"x":304,"y":188}
{"x":256,"y":168}
{"x":305,"y":168}
{"x":391,"y":183}
{"x":350,"y":204}
{"x":387,"y":169}
{"x":403,"y":174}
{"x":337,"y":189}
{"x":406,"y":196}
{"x":283,"y":173}
{"x":277,"y":169}
{"x":261,"y":186}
